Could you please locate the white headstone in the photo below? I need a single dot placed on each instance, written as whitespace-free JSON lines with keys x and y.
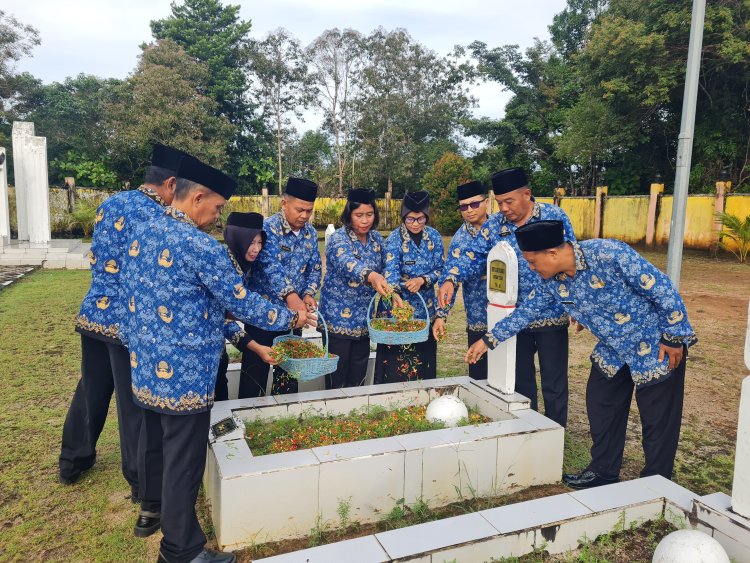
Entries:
{"x":21,"y":131}
{"x":741,"y":482}
{"x":32,"y":184}
{"x":502,"y":293}
{"x":330,"y":229}
{"x":4,"y":205}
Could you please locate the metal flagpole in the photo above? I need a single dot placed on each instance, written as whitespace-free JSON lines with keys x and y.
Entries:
{"x":685,"y":143}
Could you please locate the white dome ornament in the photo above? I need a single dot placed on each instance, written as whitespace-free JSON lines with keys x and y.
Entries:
{"x":447,"y":409}
{"x":689,"y":545}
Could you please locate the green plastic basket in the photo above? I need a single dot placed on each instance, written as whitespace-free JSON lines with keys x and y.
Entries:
{"x":307,"y":369}
{"x":400,"y":338}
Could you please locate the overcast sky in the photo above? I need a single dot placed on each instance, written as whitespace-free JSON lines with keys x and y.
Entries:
{"x":101,"y":37}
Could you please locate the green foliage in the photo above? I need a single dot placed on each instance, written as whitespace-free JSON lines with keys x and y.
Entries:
{"x":83,"y":217}
{"x":441,"y":181}
{"x":162,"y":101}
{"x":86,"y":172}
{"x":738,"y":231}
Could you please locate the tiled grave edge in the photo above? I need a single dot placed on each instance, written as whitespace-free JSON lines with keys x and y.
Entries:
{"x":555,"y":524}
{"x":11,"y":274}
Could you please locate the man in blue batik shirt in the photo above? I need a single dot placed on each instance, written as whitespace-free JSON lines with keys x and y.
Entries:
{"x":643,"y":331}
{"x":547,"y":333}
{"x":177,"y":284}
{"x":472,"y":204}
{"x":287,"y":272}
{"x":105,"y":367}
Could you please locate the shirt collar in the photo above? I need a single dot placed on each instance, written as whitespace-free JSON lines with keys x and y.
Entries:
{"x":181,"y":216}
{"x":405,"y":235}
{"x":536,"y":213}
{"x":471,"y":229}
{"x":151,"y":194}
{"x":286,"y":228}
{"x":581,"y":263}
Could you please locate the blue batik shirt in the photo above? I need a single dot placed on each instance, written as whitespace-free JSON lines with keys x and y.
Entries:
{"x":346,"y":293}
{"x":623,"y":299}
{"x":474,"y":286}
{"x":496,"y":229}
{"x":178,"y":283}
{"x":289,"y":263}
{"x":102,"y":309}
{"x":405,"y":260}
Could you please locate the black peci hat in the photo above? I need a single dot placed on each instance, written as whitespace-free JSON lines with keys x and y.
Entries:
{"x":361,"y":195}
{"x":300,"y":188}
{"x":540,"y":235}
{"x":194,"y":170}
{"x":416,"y":202}
{"x":246,"y":220}
{"x":167,"y":157}
{"x":508,"y":180}
{"x":470,"y":189}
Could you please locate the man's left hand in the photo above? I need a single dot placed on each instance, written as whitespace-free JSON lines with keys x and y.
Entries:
{"x":476,"y":351}
{"x":310,"y":303}
{"x":414,"y":284}
{"x":674,"y":355}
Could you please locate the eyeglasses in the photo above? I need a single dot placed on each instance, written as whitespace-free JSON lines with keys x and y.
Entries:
{"x":473,"y":205}
{"x":411,"y":220}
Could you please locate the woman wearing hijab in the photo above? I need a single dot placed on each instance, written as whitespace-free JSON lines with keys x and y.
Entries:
{"x":413,"y":264}
{"x":355,"y":257}
{"x":244,"y":237}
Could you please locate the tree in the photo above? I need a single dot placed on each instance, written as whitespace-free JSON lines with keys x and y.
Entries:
{"x":281,"y":82}
{"x":410,"y":103}
{"x":215,"y":35}
{"x":17,"y":40}
{"x":164,"y":100}
{"x":450,"y":171}
{"x":336,"y":57}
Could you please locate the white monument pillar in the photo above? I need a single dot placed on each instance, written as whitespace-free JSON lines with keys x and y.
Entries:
{"x":4,"y":205}
{"x":32,"y":184}
{"x":502,"y":293}
{"x":21,"y":131}
{"x":37,"y":199}
{"x":330,"y":229}
{"x":741,"y":483}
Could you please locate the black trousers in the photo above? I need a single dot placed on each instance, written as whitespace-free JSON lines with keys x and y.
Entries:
{"x":353,"y":354}
{"x":221,"y":393}
{"x":394,"y":364}
{"x":660,"y":408}
{"x":105,"y":368}
{"x":172,"y":458}
{"x":254,"y":373}
{"x":478,"y":370}
{"x":552,"y":347}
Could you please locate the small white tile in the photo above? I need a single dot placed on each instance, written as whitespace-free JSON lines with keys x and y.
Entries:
{"x":352,"y":450}
{"x":309,"y":396}
{"x":736,"y":550}
{"x":534,"y":513}
{"x":412,"y":476}
{"x":424,"y":538}
{"x":362,"y":550}
{"x":514,"y":545}
{"x":282,"y":461}
{"x":617,"y":495}
{"x":536,"y":419}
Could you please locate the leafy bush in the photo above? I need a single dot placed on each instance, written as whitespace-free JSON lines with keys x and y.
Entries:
{"x":449,"y":171}
{"x":86,"y":172}
{"x":83,"y":217}
{"x":738,"y":231}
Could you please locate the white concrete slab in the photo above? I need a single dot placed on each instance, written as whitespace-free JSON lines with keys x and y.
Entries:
{"x":361,"y":550}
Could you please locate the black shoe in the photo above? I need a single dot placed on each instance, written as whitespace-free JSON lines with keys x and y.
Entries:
{"x":68,"y":480}
{"x":147,"y":525}
{"x":206,"y":556}
{"x":587,"y":480}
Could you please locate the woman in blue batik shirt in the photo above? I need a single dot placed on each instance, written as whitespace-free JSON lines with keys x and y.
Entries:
{"x":413,"y":264}
{"x":355,"y":258}
{"x":244,"y":237}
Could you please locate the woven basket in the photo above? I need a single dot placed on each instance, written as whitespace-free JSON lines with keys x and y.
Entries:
{"x":401,"y":338}
{"x":307,"y":369}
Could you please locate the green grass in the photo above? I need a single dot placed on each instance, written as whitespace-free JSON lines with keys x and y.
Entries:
{"x":39,"y":369}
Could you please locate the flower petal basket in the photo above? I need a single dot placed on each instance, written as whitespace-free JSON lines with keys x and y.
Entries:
{"x":395,"y":337}
{"x":307,"y":369}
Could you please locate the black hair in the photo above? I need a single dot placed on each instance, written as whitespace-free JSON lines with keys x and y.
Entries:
{"x":183,"y":187}
{"x":156,"y":175}
{"x":346,"y":214}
